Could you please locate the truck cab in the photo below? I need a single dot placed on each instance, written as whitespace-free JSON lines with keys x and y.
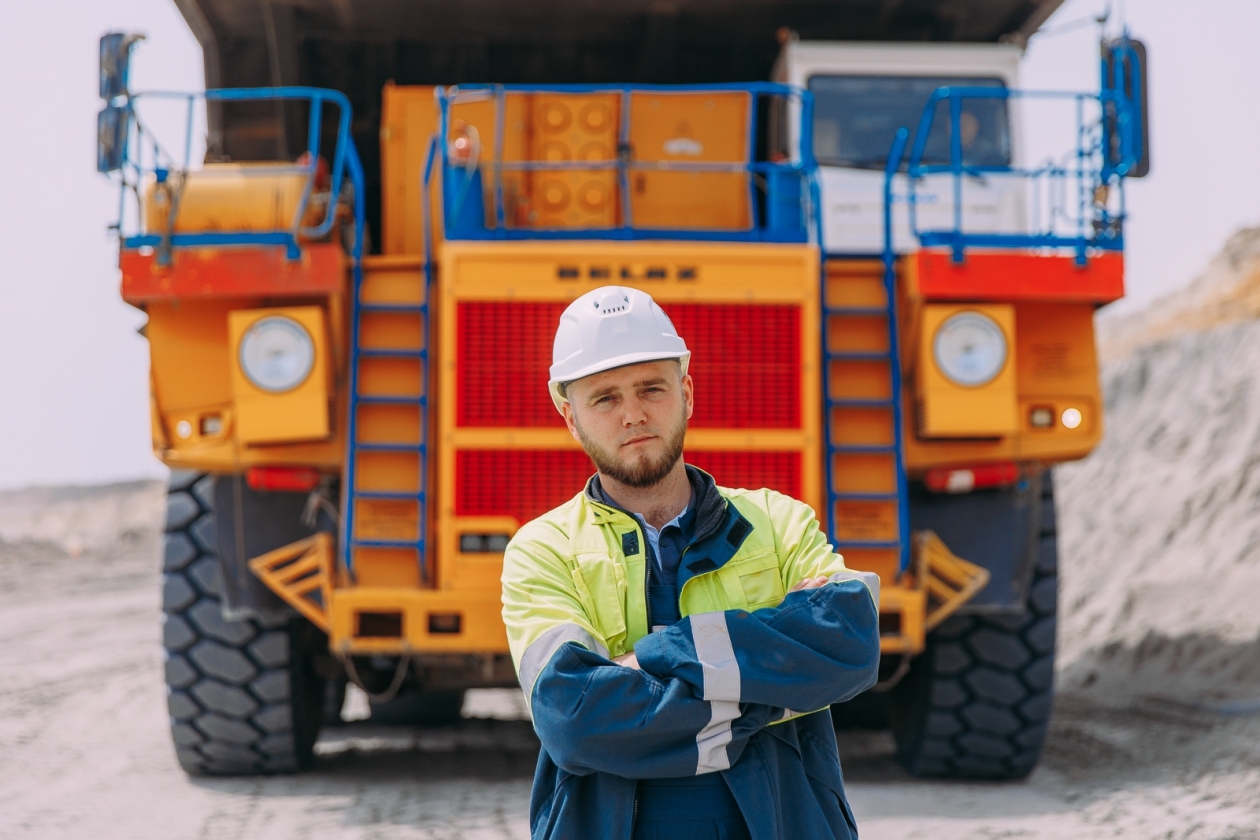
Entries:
{"x":864,"y":92}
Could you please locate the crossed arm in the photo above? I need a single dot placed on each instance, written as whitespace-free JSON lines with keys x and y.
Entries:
{"x":629,"y":659}
{"x":694,"y":693}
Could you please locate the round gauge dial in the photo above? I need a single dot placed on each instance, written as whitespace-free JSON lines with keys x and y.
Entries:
{"x":277,"y":354}
{"x":970,"y":349}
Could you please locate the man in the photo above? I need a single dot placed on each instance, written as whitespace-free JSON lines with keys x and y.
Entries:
{"x":679,"y":643}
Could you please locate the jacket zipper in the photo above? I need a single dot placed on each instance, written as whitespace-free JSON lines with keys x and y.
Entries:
{"x":647,"y":590}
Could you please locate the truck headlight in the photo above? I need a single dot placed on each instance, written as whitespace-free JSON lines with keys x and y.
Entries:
{"x":276,"y":354}
{"x":969,"y":349}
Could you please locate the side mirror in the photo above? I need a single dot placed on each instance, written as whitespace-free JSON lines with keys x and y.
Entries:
{"x":115,"y":61}
{"x":1124,"y":72}
{"x":112,"y":124}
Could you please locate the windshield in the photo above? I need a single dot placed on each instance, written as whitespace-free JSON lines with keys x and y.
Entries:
{"x":855,"y":118}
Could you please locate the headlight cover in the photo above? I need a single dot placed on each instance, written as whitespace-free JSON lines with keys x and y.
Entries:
{"x":276,"y":354}
{"x":969,"y":349}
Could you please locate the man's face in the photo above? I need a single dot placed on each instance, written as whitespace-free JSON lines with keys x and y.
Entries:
{"x":631,"y":420}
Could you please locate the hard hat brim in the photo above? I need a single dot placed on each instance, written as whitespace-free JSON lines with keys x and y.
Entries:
{"x":556,"y":386}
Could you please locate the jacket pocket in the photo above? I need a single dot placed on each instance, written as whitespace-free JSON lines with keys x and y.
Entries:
{"x":601,"y":585}
{"x":753,"y":583}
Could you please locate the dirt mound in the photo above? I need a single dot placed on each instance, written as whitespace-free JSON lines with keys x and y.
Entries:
{"x":1226,"y":292}
{"x":79,"y":519}
{"x":1160,"y":526}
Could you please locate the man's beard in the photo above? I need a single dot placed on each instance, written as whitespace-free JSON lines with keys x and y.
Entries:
{"x":642,"y":471}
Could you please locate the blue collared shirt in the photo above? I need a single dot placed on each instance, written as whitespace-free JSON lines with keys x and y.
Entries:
{"x":665,"y":550}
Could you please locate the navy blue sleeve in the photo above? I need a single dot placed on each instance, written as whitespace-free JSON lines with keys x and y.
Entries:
{"x":593,"y":715}
{"x":818,"y":647}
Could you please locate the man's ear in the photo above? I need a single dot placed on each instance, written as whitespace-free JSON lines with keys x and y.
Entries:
{"x":570,"y":420}
{"x":688,"y":389}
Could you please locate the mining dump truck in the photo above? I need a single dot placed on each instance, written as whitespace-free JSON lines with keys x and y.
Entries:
{"x":351,"y":297}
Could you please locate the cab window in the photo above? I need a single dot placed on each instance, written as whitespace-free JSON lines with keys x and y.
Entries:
{"x":856,"y":117}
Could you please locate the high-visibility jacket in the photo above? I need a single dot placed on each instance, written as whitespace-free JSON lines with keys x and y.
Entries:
{"x":716,"y":692}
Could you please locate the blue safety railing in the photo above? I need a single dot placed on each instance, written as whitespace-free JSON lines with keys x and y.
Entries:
{"x":1108,"y":148}
{"x":789,"y":211}
{"x":1090,"y":221}
{"x":146,"y":156}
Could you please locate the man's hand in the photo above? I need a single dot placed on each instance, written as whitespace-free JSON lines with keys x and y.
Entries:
{"x":809,"y":583}
{"x":627,"y":659}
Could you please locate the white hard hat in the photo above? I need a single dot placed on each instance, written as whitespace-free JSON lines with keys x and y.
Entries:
{"x":607,"y":328}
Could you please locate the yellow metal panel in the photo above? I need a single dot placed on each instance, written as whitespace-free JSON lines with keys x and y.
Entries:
{"x":679,"y":128}
{"x":299,"y":414}
{"x":720,"y":273}
{"x":911,"y":606}
{"x":477,"y":570}
{"x":481,"y":624}
{"x":387,"y":471}
{"x":392,"y":280}
{"x":385,"y":519}
{"x":395,"y":568}
{"x":866,"y":521}
{"x":409,"y":119}
{"x":862,"y":426}
{"x":390,"y":331}
{"x":856,"y":284}
{"x":389,"y":377}
{"x":570,"y":128}
{"x":947,"y":409}
{"x":857,"y":333}
{"x":885,"y":562}
{"x":865,"y":473}
{"x":388,"y":424}
{"x":188,"y":343}
{"x":861,"y":380}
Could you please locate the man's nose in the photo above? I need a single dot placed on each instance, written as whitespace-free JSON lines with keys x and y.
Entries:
{"x":633,"y":413}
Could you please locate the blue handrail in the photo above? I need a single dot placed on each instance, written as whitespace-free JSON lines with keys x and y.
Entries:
{"x":894,"y":349}
{"x":1096,"y":226}
{"x":802,"y":166}
{"x":344,"y":161}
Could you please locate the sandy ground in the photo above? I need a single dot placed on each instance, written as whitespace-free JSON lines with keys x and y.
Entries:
{"x":85,"y":753}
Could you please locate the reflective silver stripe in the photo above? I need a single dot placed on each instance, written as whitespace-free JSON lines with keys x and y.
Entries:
{"x":869,"y":578}
{"x":540,"y":651}
{"x":717,"y":657}
{"x":712,"y":740}
{"x":720,"y":672}
{"x":788,"y":713}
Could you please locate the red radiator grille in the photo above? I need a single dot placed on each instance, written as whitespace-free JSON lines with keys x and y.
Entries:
{"x":526,"y":483}
{"x":745,"y":361}
{"x":503,"y":353}
{"x":752,"y":470}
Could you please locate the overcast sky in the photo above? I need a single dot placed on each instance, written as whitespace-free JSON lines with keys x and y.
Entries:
{"x":73,"y":371}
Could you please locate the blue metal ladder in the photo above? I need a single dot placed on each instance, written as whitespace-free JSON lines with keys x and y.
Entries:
{"x":361,"y":486}
{"x":868,"y":505}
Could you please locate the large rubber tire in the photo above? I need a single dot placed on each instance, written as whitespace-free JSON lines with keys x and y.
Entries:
{"x":243,"y":696}
{"x":976,"y":703}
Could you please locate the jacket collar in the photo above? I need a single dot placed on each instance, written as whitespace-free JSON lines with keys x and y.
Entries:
{"x":720,"y":528}
{"x":710,"y":506}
